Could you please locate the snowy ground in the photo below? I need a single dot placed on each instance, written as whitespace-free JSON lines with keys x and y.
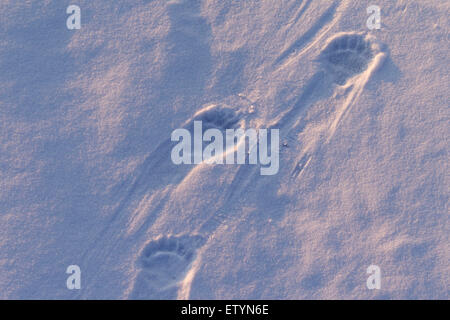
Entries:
{"x":86,"y":176}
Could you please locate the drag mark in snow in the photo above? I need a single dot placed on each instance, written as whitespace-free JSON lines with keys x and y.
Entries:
{"x":311,"y":37}
{"x":351,"y":59}
{"x":304,"y":6}
{"x":244,"y":178}
{"x":310,"y":94}
{"x":301,"y":164}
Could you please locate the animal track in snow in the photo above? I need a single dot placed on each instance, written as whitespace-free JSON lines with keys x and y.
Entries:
{"x":347,"y":55}
{"x":217,"y":116}
{"x":165,"y":262}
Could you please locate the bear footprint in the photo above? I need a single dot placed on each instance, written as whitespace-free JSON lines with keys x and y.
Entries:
{"x":347,"y":55}
{"x":164,"y":264}
{"x":220,"y":117}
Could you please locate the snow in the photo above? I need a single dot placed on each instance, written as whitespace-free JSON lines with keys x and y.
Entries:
{"x":87,"y":179}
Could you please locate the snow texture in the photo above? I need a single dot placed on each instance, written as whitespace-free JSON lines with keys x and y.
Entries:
{"x":86,"y":176}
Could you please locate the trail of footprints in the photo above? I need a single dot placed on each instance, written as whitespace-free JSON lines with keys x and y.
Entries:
{"x":165,"y":262}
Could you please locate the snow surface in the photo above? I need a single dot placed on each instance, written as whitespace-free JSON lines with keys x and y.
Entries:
{"x":86,"y":176}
